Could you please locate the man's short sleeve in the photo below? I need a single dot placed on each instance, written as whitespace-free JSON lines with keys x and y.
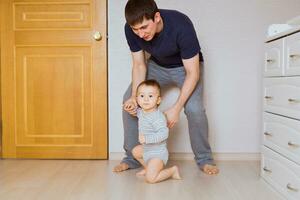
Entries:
{"x":131,"y":39}
{"x":187,"y":41}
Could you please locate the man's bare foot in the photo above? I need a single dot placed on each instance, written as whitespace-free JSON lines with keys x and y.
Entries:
{"x":176,"y":174}
{"x":141,"y":173}
{"x":121,"y":167}
{"x":210,"y":169}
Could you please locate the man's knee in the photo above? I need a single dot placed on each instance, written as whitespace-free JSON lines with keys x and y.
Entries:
{"x":194,"y":109}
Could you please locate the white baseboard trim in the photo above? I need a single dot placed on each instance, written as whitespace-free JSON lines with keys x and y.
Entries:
{"x":190,"y":156}
{"x":237,"y":156}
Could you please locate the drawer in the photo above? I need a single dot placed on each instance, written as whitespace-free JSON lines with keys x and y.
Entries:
{"x":281,"y":173}
{"x":274,"y":58}
{"x":283,"y":135}
{"x":282,"y":96}
{"x":292,"y":55}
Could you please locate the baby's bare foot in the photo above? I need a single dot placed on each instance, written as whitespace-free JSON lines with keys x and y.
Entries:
{"x":210,"y":169}
{"x":141,"y":173}
{"x":176,"y":174}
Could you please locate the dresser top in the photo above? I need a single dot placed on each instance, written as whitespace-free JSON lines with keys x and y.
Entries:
{"x":284,"y":33}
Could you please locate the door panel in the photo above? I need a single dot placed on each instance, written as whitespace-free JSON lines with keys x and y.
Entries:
{"x":52,"y":16}
{"x":54,"y":79}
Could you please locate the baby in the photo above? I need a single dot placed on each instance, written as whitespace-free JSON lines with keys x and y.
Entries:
{"x":153,"y":133}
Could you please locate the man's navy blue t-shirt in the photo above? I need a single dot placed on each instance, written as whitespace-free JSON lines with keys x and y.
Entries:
{"x":177,"y":40}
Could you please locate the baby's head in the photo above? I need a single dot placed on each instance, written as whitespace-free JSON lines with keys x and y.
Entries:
{"x":148,"y":95}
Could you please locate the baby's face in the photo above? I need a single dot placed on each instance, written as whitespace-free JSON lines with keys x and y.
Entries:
{"x":148,"y":98}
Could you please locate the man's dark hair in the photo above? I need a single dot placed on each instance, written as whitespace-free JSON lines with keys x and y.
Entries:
{"x":150,"y":82}
{"x":137,"y":10}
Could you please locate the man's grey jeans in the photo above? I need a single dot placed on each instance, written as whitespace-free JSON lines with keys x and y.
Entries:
{"x":194,"y":110}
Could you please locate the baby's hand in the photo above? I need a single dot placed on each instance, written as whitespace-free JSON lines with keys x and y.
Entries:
{"x":142,"y":138}
{"x":130,"y":106}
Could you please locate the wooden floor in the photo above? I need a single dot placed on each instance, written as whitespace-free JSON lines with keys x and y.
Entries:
{"x":88,"y":180}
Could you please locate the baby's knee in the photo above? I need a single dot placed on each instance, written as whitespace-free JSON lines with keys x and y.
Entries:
{"x":137,"y":151}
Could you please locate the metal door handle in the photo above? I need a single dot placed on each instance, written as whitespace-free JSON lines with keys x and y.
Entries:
{"x":97,"y":36}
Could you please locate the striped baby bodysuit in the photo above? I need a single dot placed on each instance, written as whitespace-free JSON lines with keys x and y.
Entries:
{"x":154,"y":127}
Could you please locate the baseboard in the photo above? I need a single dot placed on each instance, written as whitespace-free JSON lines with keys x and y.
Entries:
{"x":237,"y":156}
{"x":190,"y":156}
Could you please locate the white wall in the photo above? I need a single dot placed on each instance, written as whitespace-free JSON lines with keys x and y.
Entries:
{"x":231,"y":34}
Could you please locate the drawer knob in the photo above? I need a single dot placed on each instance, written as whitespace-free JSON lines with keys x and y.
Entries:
{"x":267,"y":134}
{"x":294,"y":56}
{"x":293,"y":144}
{"x":267,"y":170}
{"x":290,"y":187}
{"x":268,"y":97}
{"x":270,"y":60}
{"x":294,"y":100}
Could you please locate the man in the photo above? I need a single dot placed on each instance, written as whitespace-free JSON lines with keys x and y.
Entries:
{"x":169,"y":37}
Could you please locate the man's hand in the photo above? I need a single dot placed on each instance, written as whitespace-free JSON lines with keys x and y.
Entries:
{"x":172,"y":116}
{"x":130,"y":106}
{"x":192,"y":70}
{"x":142,"y":138}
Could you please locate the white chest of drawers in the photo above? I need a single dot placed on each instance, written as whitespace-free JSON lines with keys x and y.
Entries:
{"x":280,"y":165}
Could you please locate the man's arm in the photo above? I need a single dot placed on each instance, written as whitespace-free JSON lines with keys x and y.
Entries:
{"x":192,"y":68}
{"x":138,"y":75}
{"x":138,"y":70}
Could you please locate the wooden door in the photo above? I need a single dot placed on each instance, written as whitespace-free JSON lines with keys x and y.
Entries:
{"x":54,"y":79}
